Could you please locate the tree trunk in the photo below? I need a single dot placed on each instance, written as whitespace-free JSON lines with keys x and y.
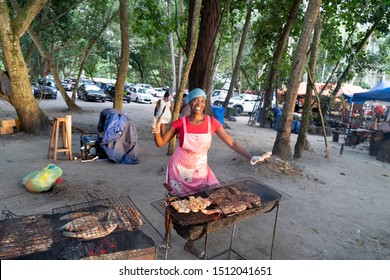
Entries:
{"x":125,"y":52}
{"x":218,"y":56}
{"x":87,"y":52}
{"x":172,"y":52}
{"x":191,"y":49}
{"x":277,"y":57}
{"x":239,"y":53}
{"x":282,"y":147}
{"x":32,"y":118}
{"x":301,"y":141}
{"x":69,"y":102}
{"x":180,"y":56}
{"x":358,"y":48}
{"x":201,"y":69}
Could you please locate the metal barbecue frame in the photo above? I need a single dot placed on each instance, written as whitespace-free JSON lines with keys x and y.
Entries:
{"x":214,"y":226}
{"x":36,"y":236}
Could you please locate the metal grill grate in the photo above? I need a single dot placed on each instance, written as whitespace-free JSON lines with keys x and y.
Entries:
{"x":114,"y":229}
{"x":194,"y":225}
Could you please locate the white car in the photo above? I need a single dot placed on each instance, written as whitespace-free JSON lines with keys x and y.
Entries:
{"x":139,"y":94}
{"x":159,"y":92}
{"x":149,"y":88}
{"x":218,"y":96}
{"x":243,"y":103}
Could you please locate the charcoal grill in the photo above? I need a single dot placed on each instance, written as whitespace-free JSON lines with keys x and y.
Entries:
{"x":193,"y":226}
{"x":38,"y":237}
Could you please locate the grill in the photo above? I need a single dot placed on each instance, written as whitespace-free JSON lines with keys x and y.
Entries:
{"x":119,"y":232}
{"x":193,"y":226}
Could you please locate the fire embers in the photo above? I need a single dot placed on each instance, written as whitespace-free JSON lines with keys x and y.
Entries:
{"x":92,"y":224}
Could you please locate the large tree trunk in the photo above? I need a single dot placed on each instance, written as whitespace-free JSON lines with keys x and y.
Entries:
{"x":282,"y":146}
{"x":33,"y":120}
{"x":239,"y":54}
{"x":201,"y":70}
{"x":301,"y":141}
{"x":191,"y":49}
{"x":124,"y":59}
{"x":277,"y":57}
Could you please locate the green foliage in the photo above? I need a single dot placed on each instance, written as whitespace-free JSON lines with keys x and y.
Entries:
{"x":66,"y":27}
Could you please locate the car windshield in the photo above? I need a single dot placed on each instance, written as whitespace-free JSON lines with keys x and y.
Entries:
{"x":142,"y":90}
{"x":91,"y":87}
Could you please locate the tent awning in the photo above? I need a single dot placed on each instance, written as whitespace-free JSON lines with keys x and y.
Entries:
{"x":375,"y":95}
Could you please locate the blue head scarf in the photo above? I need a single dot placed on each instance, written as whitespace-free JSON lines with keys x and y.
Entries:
{"x":195,"y":93}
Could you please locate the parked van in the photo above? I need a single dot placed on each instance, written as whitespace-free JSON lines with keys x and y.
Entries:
{"x":220,"y":95}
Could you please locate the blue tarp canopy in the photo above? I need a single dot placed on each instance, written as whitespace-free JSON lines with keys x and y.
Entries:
{"x":381,"y":92}
{"x":375,"y":95}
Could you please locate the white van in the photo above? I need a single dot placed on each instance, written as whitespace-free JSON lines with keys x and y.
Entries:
{"x":220,"y":95}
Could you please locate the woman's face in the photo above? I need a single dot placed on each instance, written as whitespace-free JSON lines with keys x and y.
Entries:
{"x":198,"y":104}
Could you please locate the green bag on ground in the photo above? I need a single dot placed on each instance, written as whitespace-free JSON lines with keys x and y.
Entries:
{"x":42,"y":180}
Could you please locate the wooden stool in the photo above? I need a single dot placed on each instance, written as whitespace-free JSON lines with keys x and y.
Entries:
{"x":65,"y":124}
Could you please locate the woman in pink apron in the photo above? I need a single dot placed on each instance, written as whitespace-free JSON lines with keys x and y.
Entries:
{"x":188,"y":171}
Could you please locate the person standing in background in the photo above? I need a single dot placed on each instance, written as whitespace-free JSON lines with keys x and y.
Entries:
{"x":185,"y":109}
{"x":164,"y":109}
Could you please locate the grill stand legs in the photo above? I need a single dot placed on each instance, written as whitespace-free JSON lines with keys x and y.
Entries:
{"x":168,"y":228}
{"x":273,"y":234}
{"x":230,"y":250}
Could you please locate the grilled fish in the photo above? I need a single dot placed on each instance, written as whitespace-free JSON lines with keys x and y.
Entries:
{"x":100,"y":213}
{"x":81,"y":224}
{"x":100,"y":230}
{"x":74,"y":215}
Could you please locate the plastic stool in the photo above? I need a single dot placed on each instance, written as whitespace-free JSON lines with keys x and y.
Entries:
{"x":65,"y":124}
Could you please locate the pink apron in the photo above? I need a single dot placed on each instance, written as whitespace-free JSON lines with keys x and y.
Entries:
{"x":187,"y":169}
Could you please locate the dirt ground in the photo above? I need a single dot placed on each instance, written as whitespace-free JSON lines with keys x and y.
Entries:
{"x":334,"y":208}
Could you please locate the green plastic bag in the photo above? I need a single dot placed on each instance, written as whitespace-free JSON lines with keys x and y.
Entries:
{"x":42,"y":180}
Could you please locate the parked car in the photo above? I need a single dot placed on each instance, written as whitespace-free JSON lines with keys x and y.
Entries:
{"x":67,"y":84}
{"x":139,"y":94}
{"x":243,"y":103}
{"x":219,"y":95}
{"x":104,"y":86}
{"x":110,"y":94}
{"x":45,"y":89}
{"x":71,"y":83}
{"x":149,"y":88}
{"x":91,"y":92}
{"x":159,"y":92}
